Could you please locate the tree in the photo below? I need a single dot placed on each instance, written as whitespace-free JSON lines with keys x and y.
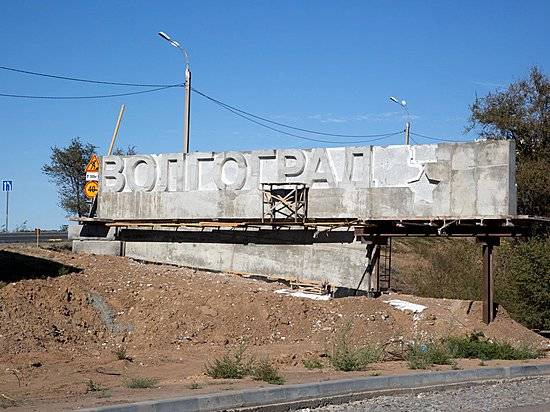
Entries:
{"x":521,"y":113}
{"x":67,"y":170}
{"x":129,"y":151}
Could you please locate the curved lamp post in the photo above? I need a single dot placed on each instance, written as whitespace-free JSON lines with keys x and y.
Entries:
{"x":403,"y":105}
{"x":187,"y":114}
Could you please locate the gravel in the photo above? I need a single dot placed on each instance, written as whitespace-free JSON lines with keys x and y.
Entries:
{"x":511,"y":393}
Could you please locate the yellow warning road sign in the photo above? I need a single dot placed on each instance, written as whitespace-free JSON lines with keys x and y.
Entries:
{"x":93,"y":164}
{"x":90,"y":189}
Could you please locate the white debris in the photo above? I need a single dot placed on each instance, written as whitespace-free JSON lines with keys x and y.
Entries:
{"x":305,"y":295}
{"x":403,"y":305}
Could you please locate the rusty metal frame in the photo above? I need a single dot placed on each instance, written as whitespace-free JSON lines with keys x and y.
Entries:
{"x":487,"y":231}
{"x":284,"y":201}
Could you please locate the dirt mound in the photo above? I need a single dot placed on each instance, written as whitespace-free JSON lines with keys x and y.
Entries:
{"x":162,"y":313}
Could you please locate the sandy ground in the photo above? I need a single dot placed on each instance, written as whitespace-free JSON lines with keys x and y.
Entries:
{"x":63,"y":316}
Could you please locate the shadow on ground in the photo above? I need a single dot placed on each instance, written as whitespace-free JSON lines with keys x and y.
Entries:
{"x":15,"y":266}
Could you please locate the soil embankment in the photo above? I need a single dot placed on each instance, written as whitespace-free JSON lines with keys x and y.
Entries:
{"x":63,"y":316}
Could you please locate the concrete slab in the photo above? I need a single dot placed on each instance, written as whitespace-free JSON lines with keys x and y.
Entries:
{"x":446,"y":180}
{"x":98,"y":247}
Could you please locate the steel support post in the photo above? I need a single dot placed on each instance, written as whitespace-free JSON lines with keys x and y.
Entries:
{"x":487,"y":245}
{"x":372,"y":271}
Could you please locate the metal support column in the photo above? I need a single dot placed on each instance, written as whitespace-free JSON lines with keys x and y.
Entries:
{"x":372,"y":269}
{"x":487,"y":245}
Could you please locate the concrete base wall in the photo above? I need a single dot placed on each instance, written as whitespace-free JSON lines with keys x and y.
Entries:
{"x":337,"y":264}
{"x":98,"y":247}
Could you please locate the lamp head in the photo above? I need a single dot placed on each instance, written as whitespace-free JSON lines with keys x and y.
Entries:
{"x":164,"y":36}
{"x":167,"y":38}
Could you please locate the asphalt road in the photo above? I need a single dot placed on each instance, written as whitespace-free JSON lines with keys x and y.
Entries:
{"x":518,"y":395}
{"x":30,"y":237}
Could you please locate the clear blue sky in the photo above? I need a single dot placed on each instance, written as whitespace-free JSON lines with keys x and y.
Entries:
{"x":316,"y":64}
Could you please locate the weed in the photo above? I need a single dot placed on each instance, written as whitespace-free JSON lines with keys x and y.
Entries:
{"x":92,"y":386}
{"x":63,"y":270}
{"x":312,"y":363}
{"x":481,"y":363}
{"x":476,"y":346}
{"x":263,"y":370}
{"x":7,"y":402}
{"x":142,"y":383}
{"x":121,"y":354}
{"x":230,"y":366}
{"x":194,"y":386}
{"x":423,"y":355}
{"x":347,"y":358}
{"x":375,"y":373}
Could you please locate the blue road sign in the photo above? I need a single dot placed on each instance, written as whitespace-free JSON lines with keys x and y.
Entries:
{"x":7,"y":185}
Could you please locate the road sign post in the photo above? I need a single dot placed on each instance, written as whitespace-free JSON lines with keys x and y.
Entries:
{"x":7,"y":186}
{"x":92,"y":177}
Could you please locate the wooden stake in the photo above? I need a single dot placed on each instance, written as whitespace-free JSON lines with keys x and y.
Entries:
{"x":115,"y":133}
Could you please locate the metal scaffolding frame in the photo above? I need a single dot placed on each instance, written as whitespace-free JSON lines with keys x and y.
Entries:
{"x":286,"y":201}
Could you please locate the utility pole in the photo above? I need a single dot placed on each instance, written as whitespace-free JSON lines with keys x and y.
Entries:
{"x":403,"y":105}
{"x":187,"y":114}
{"x":187,"y":110}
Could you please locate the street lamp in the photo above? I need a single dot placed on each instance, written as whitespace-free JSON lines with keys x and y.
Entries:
{"x":403,"y":105}
{"x":187,"y":114}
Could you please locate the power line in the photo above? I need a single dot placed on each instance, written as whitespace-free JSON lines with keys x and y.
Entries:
{"x":102,"y":96}
{"x":381,"y":137}
{"x":233,"y":108}
{"x":76,"y":79}
{"x":434,"y":138}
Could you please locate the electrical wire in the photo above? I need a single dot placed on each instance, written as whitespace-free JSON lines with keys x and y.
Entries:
{"x":76,"y":79}
{"x":103,"y":96}
{"x":381,"y":137}
{"x":233,"y":108}
{"x":434,"y":138}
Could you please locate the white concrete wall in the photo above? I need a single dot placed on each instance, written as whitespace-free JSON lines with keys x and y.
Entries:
{"x":474,"y":179}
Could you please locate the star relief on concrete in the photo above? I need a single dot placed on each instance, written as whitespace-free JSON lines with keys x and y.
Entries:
{"x":423,"y":186}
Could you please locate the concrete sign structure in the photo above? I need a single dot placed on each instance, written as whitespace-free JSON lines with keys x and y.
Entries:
{"x":475,"y":179}
{"x":208,"y":210}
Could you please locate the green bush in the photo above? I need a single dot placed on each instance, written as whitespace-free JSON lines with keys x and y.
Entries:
{"x":92,"y":386}
{"x":444,"y":268}
{"x":522,"y":281}
{"x":312,"y":363}
{"x":122,"y":354}
{"x":263,"y":370}
{"x":142,"y":383}
{"x":232,"y":365}
{"x":424,"y":355}
{"x":451,"y":268}
{"x":346,"y":358}
{"x":475,"y":346}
